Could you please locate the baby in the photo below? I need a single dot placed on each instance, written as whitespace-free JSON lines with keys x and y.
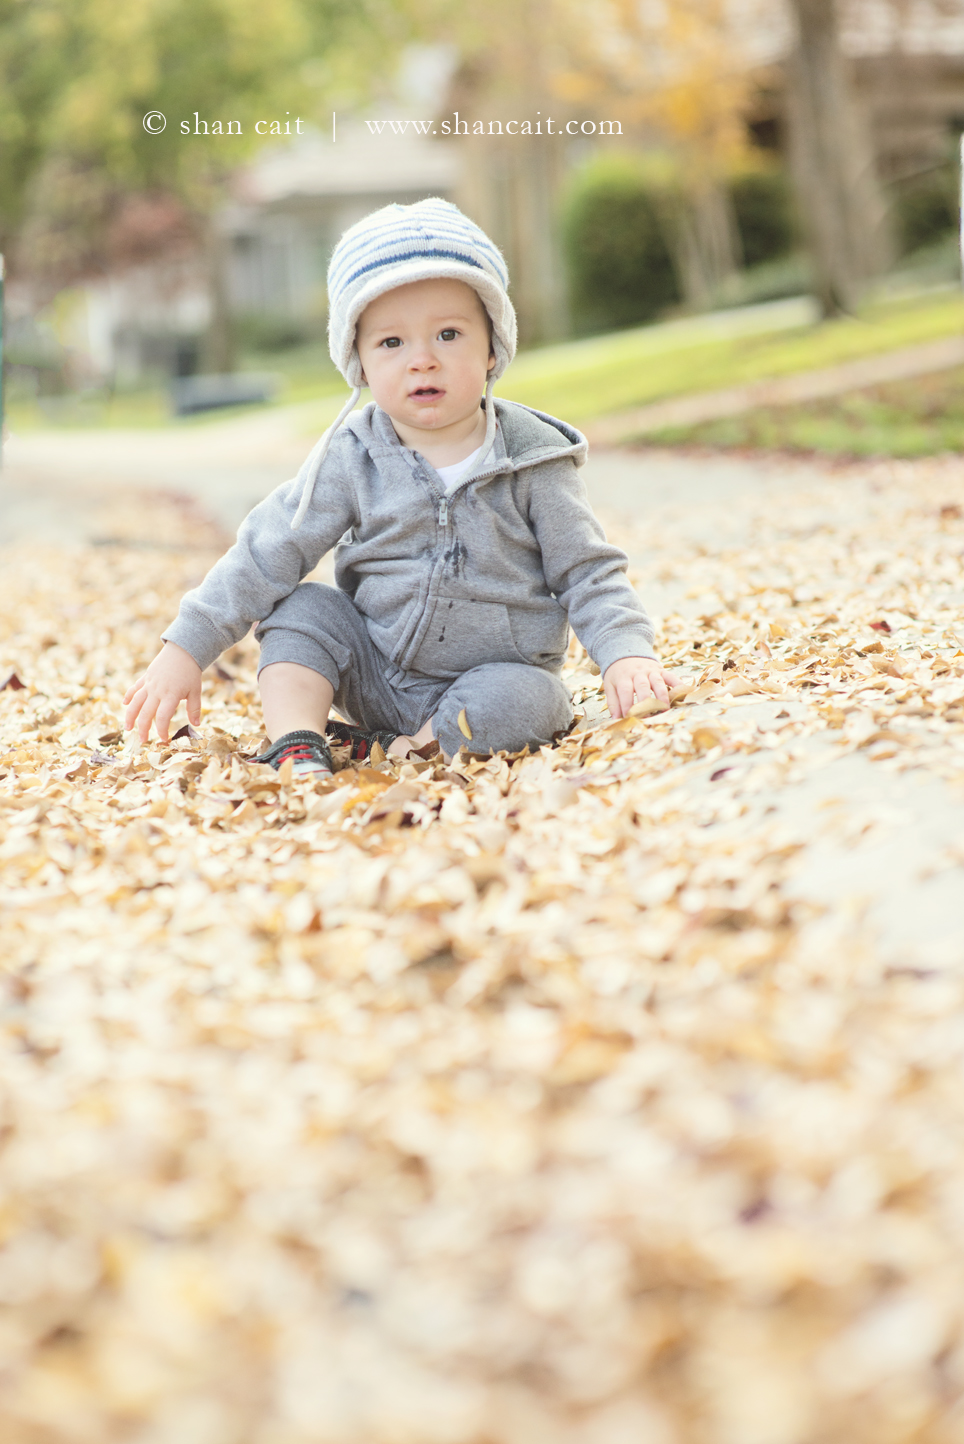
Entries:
{"x":465,"y":544}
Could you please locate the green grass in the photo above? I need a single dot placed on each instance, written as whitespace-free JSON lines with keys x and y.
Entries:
{"x":136,"y":409}
{"x":304,"y":373}
{"x":583,"y":380}
{"x":921,"y":417}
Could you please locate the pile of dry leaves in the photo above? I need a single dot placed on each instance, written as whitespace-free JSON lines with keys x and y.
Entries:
{"x":518,"y":1100}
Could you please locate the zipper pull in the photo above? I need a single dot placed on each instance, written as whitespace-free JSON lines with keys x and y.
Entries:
{"x":443,"y":511}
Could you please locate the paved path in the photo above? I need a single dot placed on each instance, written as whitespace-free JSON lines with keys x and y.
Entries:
{"x":59,"y":486}
{"x":227,"y":465}
{"x":49,"y":477}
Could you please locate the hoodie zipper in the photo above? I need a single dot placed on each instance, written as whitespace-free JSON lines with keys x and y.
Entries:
{"x":443,"y":511}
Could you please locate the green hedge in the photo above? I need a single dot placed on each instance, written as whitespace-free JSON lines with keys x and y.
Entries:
{"x":927,"y":208}
{"x":620,"y":269}
{"x":763,"y":206}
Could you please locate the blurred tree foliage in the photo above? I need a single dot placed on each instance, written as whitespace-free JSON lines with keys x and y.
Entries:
{"x":680,"y":76}
{"x":78,"y":76}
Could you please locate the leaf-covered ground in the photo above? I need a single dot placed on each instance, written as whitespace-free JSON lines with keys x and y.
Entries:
{"x":526,"y":1099}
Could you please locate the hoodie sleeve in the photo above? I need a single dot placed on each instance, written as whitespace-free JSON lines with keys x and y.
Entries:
{"x":584,"y":571}
{"x":266,"y":563}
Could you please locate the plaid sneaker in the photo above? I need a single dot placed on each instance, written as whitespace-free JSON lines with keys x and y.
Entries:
{"x":307,"y":751}
{"x":358,"y":739}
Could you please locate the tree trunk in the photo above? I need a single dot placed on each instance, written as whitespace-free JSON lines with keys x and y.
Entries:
{"x":840,"y":198}
{"x":218,"y":352}
{"x":702,"y":236}
{"x":512,"y":191}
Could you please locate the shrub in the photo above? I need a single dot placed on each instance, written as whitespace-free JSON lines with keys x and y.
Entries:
{"x":927,"y":208}
{"x":620,"y":269}
{"x":763,"y":207}
{"x":615,"y":224}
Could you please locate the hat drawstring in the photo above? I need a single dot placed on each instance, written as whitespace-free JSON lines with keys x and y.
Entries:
{"x":315,"y":458}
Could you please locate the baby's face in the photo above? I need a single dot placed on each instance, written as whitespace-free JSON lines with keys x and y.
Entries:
{"x":425,"y":352}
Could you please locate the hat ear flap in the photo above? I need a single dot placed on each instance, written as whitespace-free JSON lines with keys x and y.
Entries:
{"x":353,"y":371}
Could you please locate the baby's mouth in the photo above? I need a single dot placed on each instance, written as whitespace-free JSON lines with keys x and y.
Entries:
{"x":427,"y":392}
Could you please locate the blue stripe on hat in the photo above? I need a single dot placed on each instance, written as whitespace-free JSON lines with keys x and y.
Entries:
{"x":348,"y":269}
{"x":413,"y":256}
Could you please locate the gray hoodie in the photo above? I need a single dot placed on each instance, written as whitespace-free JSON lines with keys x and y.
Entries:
{"x":492,"y":572}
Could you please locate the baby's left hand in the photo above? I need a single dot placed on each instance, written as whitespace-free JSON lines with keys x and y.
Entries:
{"x":638,"y":677}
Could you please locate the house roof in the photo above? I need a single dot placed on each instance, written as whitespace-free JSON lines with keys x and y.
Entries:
{"x":358,"y":161}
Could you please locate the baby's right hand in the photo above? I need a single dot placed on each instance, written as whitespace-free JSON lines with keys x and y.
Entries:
{"x":154,"y":697}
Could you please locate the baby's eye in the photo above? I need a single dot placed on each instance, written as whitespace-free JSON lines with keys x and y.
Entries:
{"x":449,"y":334}
{"x":392,"y":341}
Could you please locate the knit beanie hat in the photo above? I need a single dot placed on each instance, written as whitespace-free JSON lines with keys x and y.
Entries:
{"x":391,"y":247}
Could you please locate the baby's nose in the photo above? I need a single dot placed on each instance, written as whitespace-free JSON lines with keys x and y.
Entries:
{"x":422,"y":359}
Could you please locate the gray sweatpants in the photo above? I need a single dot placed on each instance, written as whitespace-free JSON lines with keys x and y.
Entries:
{"x":507,"y":704}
